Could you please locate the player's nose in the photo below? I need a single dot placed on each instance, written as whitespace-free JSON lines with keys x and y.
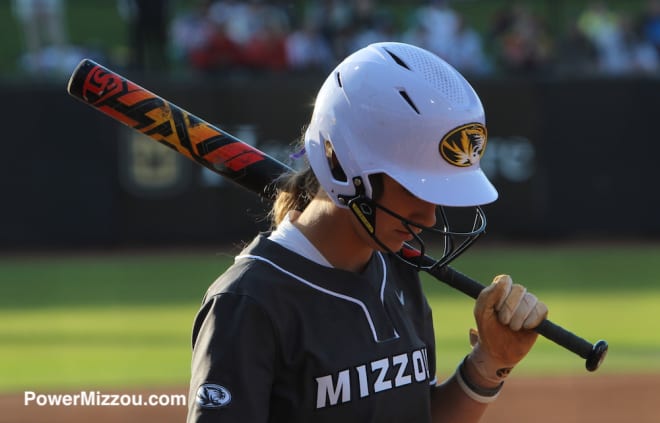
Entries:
{"x":424,"y":213}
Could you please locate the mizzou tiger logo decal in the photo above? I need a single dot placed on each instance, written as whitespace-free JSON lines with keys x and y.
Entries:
{"x":464,"y":146}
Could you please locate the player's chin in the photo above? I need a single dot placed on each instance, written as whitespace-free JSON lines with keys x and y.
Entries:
{"x":394,"y":244}
{"x":392,"y":241}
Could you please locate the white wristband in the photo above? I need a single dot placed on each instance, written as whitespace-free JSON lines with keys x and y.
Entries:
{"x":481,"y":395}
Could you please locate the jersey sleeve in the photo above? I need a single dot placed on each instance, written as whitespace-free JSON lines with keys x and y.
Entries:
{"x":233,"y":358}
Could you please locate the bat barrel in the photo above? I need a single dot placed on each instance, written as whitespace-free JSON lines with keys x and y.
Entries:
{"x":165,"y":122}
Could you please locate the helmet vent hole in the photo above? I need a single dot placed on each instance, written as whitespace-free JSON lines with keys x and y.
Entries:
{"x":438,"y":74}
{"x":338,"y":76}
{"x":397,"y":59}
{"x":408,"y":100}
{"x":333,"y":163}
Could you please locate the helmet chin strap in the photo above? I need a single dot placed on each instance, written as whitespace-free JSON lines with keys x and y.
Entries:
{"x":364,"y":209}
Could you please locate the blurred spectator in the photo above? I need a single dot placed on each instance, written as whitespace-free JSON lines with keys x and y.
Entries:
{"x":577,"y":55}
{"x":466,"y":52}
{"x":266,"y":49}
{"x":371,"y":25}
{"x":650,"y":23}
{"x":335,"y":19}
{"x":187,"y":30}
{"x":243,"y":20}
{"x":215,"y":51}
{"x":598,"y":22}
{"x":203,"y":43}
{"x":619,"y":42}
{"x":416,"y":34}
{"x":520,"y":41}
{"x":434,"y":25}
{"x":643,"y":57}
{"x":42,"y":22}
{"x":604,"y":29}
{"x":308,"y":49}
{"x":147,"y":22}
{"x":239,"y":19}
{"x":330,"y":16}
{"x":44,"y":33}
{"x":257,"y":29}
{"x":366,"y":14}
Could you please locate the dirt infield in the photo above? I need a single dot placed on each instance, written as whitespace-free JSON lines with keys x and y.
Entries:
{"x":584,"y":399}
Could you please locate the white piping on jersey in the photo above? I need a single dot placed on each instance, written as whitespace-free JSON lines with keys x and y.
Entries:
{"x":333,"y":293}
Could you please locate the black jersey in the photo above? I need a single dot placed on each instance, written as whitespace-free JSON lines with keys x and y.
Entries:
{"x":280,"y":338}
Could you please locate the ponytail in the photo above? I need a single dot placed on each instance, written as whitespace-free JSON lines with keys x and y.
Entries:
{"x":294,"y":192}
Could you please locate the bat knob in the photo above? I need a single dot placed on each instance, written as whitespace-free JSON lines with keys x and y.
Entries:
{"x":597,"y":355}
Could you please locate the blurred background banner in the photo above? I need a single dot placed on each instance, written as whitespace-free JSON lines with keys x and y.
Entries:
{"x":571,"y":158}
{"x":571,"y":91}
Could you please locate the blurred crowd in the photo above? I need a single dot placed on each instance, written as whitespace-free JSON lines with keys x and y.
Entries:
{"x":214,"y":36}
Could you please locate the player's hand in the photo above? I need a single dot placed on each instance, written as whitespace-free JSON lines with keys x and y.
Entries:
{"x":505,"y":314}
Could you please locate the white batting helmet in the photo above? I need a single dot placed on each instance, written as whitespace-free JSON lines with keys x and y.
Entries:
{"x":398,"y":109}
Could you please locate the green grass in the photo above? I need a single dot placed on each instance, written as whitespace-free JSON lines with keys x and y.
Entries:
{"x":95,"y":347}
{"x":98,"y":280}
{"x":124,"y":320}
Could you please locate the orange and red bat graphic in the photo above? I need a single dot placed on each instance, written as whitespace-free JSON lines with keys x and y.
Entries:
{"x":170,"y":125}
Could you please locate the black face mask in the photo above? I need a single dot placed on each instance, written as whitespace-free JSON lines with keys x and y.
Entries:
{"x":468,"y":224}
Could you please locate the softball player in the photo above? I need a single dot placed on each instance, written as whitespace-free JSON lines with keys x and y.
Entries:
{"x":321,"y":320}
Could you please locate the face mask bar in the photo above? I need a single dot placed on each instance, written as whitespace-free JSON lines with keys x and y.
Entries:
{"x":453,"y":241}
